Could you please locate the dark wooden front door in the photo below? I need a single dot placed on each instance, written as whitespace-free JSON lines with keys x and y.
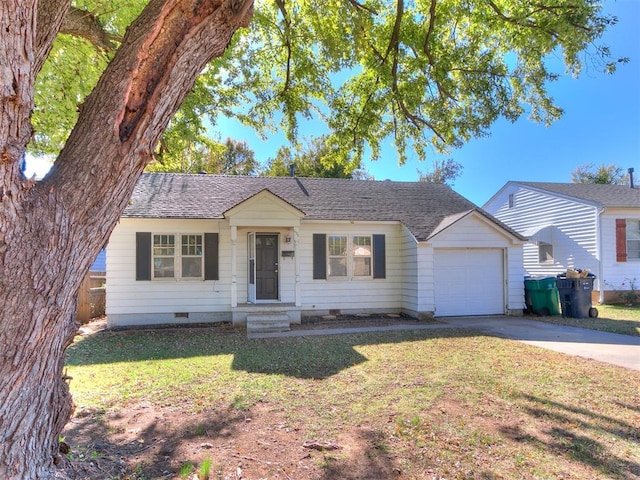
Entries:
{"x":266,"y":267}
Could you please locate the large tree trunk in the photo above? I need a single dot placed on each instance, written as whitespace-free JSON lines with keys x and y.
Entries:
{"x":50,"y":231}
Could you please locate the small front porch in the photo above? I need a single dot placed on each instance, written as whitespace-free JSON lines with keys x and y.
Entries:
{"x":266,"y":317}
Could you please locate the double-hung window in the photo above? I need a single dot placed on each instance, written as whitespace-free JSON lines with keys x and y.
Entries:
{"x":191,"y":256}
{"x":633,"y":239}
{"x":362,"y":255}
{"x":184,"y":260}
{"x":164,"y":249}
{"x":349,"y":256}
{"x":338,"y":256}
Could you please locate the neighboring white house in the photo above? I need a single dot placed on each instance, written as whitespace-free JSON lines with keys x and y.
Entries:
{"x":206,"y":248}
{"x":573,"y":225}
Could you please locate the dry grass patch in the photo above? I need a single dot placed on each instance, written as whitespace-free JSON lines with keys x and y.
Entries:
{"x":422,"y":404}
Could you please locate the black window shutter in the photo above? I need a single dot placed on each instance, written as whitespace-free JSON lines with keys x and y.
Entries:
{"x":211,"y":256}
{"x":319,"y":256}
{"x":143,"y":255}
{"x":379,"y":257}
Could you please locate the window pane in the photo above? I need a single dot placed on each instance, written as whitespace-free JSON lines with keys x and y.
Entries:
{"x":191,"y":256}
{"x":163,"y":245}
{"x":338,"y":245}
{"x":337,"y":267}
{"x":362,"y":246}
{"x":633,"y":238}
{"x":163,"y":267}
{"x":192,"y":245}
{"x":362,"y":267}
{"x":163,"y":252}
{"x":191,"y":267}
{"x":545,"y":252}
{"x":633,"y":230}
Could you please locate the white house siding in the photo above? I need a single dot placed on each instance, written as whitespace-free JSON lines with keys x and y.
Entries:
{"x":320,"y":297}
{"x":131,"y":302}
{"x":474,"y":233}
{"x":409,"y":261}
{"x":568,"y":225}
{"x":615,"y":273}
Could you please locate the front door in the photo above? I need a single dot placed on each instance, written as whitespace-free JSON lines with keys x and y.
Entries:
{"x":266,"y":267}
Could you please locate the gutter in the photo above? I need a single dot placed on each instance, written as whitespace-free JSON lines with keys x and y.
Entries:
{"x":599,"y":212}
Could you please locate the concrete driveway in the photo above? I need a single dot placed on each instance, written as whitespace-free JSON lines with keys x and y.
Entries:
{"x":621,"y":350}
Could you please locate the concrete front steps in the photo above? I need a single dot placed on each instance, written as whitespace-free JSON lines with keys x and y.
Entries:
{"x":271,"y":322}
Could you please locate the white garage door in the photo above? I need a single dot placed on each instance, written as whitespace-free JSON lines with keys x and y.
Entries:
{"x":469,"y":282}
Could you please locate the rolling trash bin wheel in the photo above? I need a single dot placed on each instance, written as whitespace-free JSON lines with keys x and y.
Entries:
{"x":593,"y":312}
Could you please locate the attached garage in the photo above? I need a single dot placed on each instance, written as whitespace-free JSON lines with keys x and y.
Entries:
{"x":469,"y":281}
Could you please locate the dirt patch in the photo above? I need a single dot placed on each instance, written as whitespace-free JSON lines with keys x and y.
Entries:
{"x":146,"y":441}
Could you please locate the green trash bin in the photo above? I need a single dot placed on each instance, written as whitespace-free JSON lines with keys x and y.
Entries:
{"x":541,"y":296}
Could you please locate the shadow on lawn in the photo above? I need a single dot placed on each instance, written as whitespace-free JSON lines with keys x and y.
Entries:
{"x":573,"y":440}
{"x":315,"y":357}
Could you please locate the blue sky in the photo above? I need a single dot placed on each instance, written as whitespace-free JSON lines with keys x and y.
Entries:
{"x":601,"y":125}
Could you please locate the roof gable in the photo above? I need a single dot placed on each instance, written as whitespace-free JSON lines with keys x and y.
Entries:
{"x":264,"y":209}
{"x":493,"y":224}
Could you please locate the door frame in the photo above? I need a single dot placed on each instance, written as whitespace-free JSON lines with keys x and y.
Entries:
{"x":252,"y":292}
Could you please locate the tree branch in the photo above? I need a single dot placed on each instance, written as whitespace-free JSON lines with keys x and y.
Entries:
{"x":427,"y":38}
{"x":360,"y":6}
{"x":287,"y":43}
{"x":83,"y":24}
{"x":51,"y":15}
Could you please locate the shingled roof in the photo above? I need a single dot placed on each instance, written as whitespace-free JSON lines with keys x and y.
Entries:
{"x":620,"y":196}
{"x":420,"y":206}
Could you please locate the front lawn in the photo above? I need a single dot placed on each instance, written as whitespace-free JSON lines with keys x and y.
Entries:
{"x":611,"y":318}
{"x":422,"y":405}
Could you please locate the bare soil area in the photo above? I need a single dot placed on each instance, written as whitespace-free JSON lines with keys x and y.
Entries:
{"x":146,"y":441}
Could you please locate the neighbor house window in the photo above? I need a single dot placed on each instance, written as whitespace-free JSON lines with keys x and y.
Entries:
{"x":338,"y":255}
{"x":362,"y":254}
{"x":633,"y":239}
{"x":167,"y":258}
{"x":545,"y":252}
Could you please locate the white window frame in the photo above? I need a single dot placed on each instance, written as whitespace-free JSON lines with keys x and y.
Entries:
{"x":355,"y":255}
{"x":178,"y":256}
{"x":349,"y":256}
{"x":633,"y":238}
{"x":332,"y":255}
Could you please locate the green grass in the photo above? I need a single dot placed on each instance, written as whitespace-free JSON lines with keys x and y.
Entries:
{"x":449,"y":401}
{"x":611,"y":318}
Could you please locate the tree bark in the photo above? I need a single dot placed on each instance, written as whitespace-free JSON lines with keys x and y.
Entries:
{"x":50,"y":231}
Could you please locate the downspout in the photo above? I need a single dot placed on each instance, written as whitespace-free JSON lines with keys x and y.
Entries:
{"x":599,"y":213}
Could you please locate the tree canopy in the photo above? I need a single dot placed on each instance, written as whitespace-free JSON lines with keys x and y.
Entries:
{"x":444,"y":171}
{"x":603,"y":174}
{"x":314,"y":158}
{"x":430,"y":73}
